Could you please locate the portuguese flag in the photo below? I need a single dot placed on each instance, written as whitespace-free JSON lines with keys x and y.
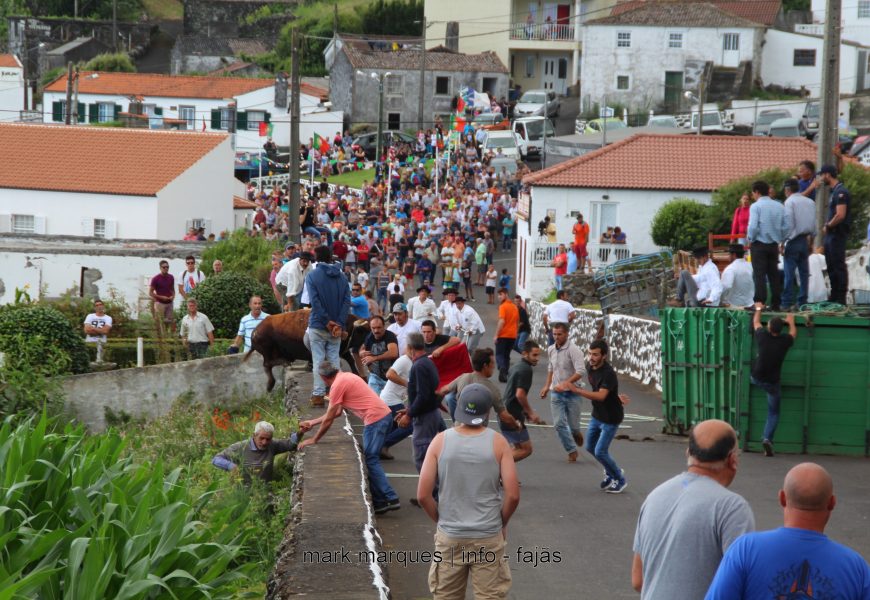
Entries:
{"x":321,"y":144}
{"x":265,"y":129}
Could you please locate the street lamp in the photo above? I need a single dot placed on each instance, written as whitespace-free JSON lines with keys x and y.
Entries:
{"x":25,"y":55}
{"x":378,"y":143}
{"x":688,"y":95}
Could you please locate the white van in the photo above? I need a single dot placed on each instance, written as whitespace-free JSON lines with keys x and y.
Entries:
{"x":530,"y":134}
{"x":503,"y":141}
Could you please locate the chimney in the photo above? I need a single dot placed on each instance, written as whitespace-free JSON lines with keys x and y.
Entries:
{"x":281,"y":90}
{"x":451,"y":41}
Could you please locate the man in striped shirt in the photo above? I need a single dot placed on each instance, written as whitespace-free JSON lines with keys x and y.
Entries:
{"x":248,"y":324}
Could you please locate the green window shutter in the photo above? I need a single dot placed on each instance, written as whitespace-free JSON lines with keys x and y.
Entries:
{"x":81,"y":111}
{"x":117,"y":111}
{"x":158,"y":111}
{"x":268,"y":117}
{"x":57,"y":111}
{"x":216,"y":118}
{"x":93,"y":113}
{"x":241,"y":120}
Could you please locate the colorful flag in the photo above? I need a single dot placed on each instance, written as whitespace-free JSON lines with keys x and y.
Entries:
{"x":460,"y":105}
{"x":265,"y":129}
{"x":203,"y":123}
{"x":459,"y":124}
{"x":321,"y":144}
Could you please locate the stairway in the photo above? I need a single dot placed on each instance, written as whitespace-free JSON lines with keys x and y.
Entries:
{"x":722,"y":83}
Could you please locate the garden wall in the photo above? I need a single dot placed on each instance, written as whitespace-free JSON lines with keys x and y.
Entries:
{"x":150,"y":391}
{"x":635,"y":343}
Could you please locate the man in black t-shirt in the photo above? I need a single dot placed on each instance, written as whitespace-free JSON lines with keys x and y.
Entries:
{"x":380,"y":350}
{"x":836,"y":232}
{"x":516,"y":401}
{"x":607,"y":414}
{"x":435,"y":343}
{"x":772,"y":345}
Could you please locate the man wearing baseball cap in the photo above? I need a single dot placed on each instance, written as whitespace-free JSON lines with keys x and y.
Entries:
{"x":473,"y":509}
{"x":403,"y":325}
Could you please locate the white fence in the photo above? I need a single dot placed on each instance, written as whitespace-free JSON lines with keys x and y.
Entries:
{"x":542,"y":31}
{"x":601,"y":255}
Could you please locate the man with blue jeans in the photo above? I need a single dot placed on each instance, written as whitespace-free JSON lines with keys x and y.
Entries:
{"x":772,"y":346}
{"x":329,"y":297}
{"x":347,"y":390}
{"x":607,"y":414}
{"x":800,"y":224}
{"x":380,"y":349}
{"x":565,"y":371}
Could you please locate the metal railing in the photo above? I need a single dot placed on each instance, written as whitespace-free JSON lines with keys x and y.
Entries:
{"x":601,"y":255}
{"x":810,"y":28}
{"x":543,"y":32}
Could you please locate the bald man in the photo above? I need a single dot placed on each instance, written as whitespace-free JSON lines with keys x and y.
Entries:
{"x":687,"y":523}
{"x":796,"y":560}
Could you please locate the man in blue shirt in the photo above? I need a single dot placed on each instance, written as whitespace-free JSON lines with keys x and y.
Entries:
{"x":248,"y":324}
{"x":836,"y":231}
{"x":797,"y":560}
{"x":765,"y":233}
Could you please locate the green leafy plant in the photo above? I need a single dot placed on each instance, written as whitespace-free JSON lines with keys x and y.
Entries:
{"x":32,"y":321}
{"x":725,"y":200}
{"x":27,"y":375}
{"x":75,"y":309}
{"x":225,"y":300}
{"x":119,"y":63}
{"x":242,"y":253}
{"x":680,"y":224}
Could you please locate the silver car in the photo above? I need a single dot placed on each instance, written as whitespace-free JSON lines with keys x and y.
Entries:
{"x":531,"y":104}
{"x":766,"y":117}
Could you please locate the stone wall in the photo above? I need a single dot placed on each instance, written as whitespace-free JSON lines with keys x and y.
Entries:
{"x":635,"y":343}
{"x":224,"y":18}
{"x":149,"y":392}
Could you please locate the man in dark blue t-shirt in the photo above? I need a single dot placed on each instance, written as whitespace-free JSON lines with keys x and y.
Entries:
{"x":796,"y":560}
{"x":836,"y":231}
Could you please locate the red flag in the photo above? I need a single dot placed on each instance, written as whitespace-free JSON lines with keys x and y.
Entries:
{"x":321,"y":144}
{"x":459,"y":124}
{"x":203,"y":124}
{"x":460,"y":105}
{"x":264,"y":129}
{"x":452,"y":363}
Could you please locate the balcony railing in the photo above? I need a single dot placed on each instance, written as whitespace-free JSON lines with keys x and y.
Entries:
{"x":543,"y":32}
{"x":810,"y":29}
{"x":601,"y":255}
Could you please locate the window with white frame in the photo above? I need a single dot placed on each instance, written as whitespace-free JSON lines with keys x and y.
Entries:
{"x":864,"y":9}
{"x":225,"y":118}
{"x":530,"y":66}
{"x":255,"y":117}
{"x":623,"y":82}
{"x":188,"y":113}
{"x":675,"y":39}
{"x":623,"y":39}
{"x":394,"y":85}
{"x":100,"y":228}
{"x":106,"y":111}
{"x":23,"y":224}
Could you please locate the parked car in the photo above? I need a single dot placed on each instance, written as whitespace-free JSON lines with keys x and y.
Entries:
{"x":368,"y":141}
{"x":530,"y":134}
{"x":811,"y":118}
{"x":669,"y":121}
{"x":508,"y":163}
{"x":787,"y":128}
{"x":490,"y":122}
{"x":531,"y":104}
{"x":504,"y":140}
{"x":599,"y":125}
{"x":766,"y":117}
{"x":712,"y":121}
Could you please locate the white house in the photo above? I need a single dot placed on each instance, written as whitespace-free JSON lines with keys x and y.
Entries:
{"x":11,"y":87}
{"x":854,"y":16}
{"x":624,"y":185}
{"x":647,"y":53}
{"x":203,"y":103}
{"x":794,"y":60}
{"x":114,"y":182}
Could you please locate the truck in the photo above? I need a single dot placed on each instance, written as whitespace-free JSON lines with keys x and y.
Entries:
{"x":530,"y":134}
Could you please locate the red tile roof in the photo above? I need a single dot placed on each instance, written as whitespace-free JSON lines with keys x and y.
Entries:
{"x":170,"y":86}
{"x":243,"y":203}
{"x":674,"y":14}
{"x":675,"y":162}
{"x":758,"y":11}
{"x":99,"y":160}
{"x":9,"y":60}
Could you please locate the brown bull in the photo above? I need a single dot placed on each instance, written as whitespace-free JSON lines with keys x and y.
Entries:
{"x":279,"y":339}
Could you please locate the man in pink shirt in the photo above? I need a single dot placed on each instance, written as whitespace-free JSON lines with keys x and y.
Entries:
{"x":350,"y":391}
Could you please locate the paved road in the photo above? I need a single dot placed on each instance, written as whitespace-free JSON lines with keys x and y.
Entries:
{"x":563,"y":124}
{"x":563,"y":511}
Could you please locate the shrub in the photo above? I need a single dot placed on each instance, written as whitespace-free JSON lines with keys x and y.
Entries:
{"x":225,"y":300}
{"x":119,"y":62}
{"x":75,"y":309}
{"x":680,"y":224}
{"x":242,"y":253}
{"x":856,"y":178}
{"x":27,"y":382}
{"x":725,"y":200}
{"x":32,"y":321}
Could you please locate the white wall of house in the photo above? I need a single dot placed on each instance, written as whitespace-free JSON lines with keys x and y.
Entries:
{"x":649,"y":56}
{"x":204,"y":192}
{"x":783,"y":49}
{"x":632,"y":210}
{"x":11,"y":93}
{"x":855,"y":17}
{"x":314,"y":118}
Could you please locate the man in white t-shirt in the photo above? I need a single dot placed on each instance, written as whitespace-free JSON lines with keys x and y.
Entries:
{"x":560,"y":311}
{"x":421,"y":306}
{"x":403,"y":325}
{"x":394,"y":394}
{"x":97,"y":324}
{"x":471,"y":322}
{"x":448,"y":313}
{"x":190,"y":277}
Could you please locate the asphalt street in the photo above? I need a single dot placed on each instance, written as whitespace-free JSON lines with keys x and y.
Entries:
{"x":568,"y":539}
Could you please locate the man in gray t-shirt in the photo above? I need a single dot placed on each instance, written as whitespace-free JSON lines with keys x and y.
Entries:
{"x":687,"y":523}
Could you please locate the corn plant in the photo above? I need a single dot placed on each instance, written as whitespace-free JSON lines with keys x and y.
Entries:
{"x":79,"y":519}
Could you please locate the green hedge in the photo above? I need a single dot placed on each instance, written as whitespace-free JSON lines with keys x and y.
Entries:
{"x":224,"y":299}
{"x":52,"y":326}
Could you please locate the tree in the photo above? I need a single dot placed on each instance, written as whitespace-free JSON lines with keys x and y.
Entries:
{"x":680,"y":224}
{"x":32,"y":321}
{"x":393,"y":17}
{"x":119,"y":63}
{"x":242,"y":253}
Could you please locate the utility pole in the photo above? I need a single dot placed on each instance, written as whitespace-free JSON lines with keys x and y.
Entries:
{"x":115,"y":25}
{"x":379,"y":142}
{"x":701,"y":101}
{"x":422,"y":74}
{"x":830,"y":103}
{"x":69,"y":107}
{"x":295,"y":200}
{"x":76,"y":96}
{"x":335,"y":20}
{"x":602,"y":112}
{"x":544,"y":130}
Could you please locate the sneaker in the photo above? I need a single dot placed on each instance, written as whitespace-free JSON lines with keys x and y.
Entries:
{"x":617,"y":487}
{"x":608,"y":480}
{"x":768,"y":447}
{"x":394,"y":504}
{"x":381,"y":508}
{"x":572,"y":456}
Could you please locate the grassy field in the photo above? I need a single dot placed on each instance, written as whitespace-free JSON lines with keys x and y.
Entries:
{"x":353,"y":179}
{"x":164,"y":10}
